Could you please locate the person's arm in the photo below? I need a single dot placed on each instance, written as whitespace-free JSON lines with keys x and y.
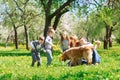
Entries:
{"x":43,"y":48}
{"x":33,"y":47}
{"x":47,"y":40}
{"x":87,"y":45}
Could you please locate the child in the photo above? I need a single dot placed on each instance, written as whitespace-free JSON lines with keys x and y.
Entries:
{"x":49,"y":45}
{"x":65,"y":44}
{"x":96,"y":57}
{"x":36,"y":46}
{"x":74,"y":42}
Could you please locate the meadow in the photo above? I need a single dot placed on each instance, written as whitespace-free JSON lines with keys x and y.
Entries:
{"x":15,"y":65}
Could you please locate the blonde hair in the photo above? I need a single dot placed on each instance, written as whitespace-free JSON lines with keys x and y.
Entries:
{"x":67,"y":37}
{"x":51,"y":30}
{"x":41,"y":38}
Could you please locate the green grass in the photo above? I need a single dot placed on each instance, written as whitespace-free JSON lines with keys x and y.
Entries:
{"x":15,"y":65}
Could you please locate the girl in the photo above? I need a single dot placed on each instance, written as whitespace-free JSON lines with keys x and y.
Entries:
{"x":74,"y":42}
{"x":64,"y":41}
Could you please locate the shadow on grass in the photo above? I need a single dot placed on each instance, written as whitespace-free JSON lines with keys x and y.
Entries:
{"x":24,"y":53}
{"x":4,"y":53}
{"x":6,"y":76}
{"x":6,"y":45}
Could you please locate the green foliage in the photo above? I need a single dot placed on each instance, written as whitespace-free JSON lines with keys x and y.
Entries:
{"x":17,"y":67}
{"x":107,"y":15}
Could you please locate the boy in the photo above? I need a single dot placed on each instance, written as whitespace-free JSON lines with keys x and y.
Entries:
{"x":49,"y":45}
{"x":36,"y":46}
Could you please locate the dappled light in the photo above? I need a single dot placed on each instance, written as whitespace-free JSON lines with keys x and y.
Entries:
{"x":59,"y":39}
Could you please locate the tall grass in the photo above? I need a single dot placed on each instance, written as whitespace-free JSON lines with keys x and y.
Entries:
{"x":15,"y":65}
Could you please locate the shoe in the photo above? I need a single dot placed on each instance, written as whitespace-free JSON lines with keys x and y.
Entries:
{"x":38,"y":64}
{"x":96,"y":63}
{"x":32,"y":63}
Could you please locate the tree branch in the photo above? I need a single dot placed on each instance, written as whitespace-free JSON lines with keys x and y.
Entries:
{"x":25,"y":4}
{"x":10,"y":16}
{"x":32,"y":18}
{"x":19,"y":26}
{"x":42,"y":2}
{"x":57,"y":18}
{"x":18,"y":5}
{"x":49,"y":5}
{"x":61,"y":8}
{"x":97,"y":3}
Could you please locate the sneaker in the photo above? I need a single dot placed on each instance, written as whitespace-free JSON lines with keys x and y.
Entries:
{"x":38,"y":64}
{"x":96,"y":63}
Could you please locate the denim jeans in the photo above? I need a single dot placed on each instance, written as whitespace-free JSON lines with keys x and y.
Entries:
{"x":95,"y":59}
{"x":49,"y":56}
{"x":35,"y":56}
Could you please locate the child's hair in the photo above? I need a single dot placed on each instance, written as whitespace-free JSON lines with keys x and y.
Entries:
{"x":84,"y":38}
{"x":74,"y":41}
{"x":51,"y":30}
{"x":74,"y":37}
{"x":41,"y":38}
{"x":67,"y":37}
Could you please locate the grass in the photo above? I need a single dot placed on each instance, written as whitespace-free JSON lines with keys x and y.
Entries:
{"x":15,"y":65}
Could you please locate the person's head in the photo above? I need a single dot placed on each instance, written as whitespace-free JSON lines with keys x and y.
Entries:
{"x":64,"y":35}
{"x":41,"y":39}
{"x":83,"y":40}
{"x":51,"y":31}
{"x":75,"y":38}
{"x":71,"y":38}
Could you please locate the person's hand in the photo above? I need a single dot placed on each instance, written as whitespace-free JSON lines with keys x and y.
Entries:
{"x":68,"y":46}
{"x":82,"y":46}
{"x":33,"y":48}
{"x":53,"y":46}
{"x":44,"y":50}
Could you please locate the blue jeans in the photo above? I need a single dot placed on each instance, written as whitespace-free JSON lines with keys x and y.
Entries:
{"x":35,"y":56}
{"x":95,"y":59}
{"x":49,"y":56}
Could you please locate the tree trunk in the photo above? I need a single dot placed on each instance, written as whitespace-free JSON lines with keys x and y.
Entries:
{"x":105,"y":43}
{"x":57,"y":19}
{"x":118,"y":40}
{"x":92,"y":41}
{"x":26,"y":36}
{"x":16,"y":37}
{"x":47,"y":24}
{"x":110,"y":38}
{"x":110,"y":42}
{"x":106,"y":38}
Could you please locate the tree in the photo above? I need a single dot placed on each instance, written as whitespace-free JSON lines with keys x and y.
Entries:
{"x":53,"y":10}
{"x":27,"y":15}
{"x":12,"y":18}
{"x":108,"y":15}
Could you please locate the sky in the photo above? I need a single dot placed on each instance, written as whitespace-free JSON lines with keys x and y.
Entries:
{"x":2,"y":8}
